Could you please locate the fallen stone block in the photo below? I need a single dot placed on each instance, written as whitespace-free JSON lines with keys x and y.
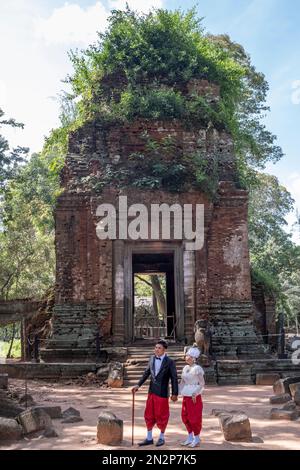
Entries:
{"x":34,"y":419}
{"x":294,"y":388}
{"x":10,"y":430}
{"x":266,"y":379}
{"x":290,"y":415}
{"x":53,"y":411}
{"x":283,"y":385}
{"x":4,"y":381}
{"x":235,"y":427}
{"x":70,"y":412}
{"x":109,"y":429}
{"x":280,"y":399}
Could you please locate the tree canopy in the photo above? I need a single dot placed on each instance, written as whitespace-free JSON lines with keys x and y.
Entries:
{"x":138,"y":66}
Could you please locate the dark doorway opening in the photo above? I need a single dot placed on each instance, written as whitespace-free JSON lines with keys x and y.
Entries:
{"x":153,"y":296}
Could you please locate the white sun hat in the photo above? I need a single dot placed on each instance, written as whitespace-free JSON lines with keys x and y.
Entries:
{"x":193,"y":352}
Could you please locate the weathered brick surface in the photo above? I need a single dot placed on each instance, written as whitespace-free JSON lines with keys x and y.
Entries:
{"x":220,"y":286}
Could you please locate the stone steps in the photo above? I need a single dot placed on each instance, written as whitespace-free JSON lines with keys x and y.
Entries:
{"x":141,"y":354}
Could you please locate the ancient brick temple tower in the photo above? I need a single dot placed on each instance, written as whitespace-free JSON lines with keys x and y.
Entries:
{"x":94,"y":286}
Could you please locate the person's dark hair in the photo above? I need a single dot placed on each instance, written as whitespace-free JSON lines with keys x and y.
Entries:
{"x":163,"y":343}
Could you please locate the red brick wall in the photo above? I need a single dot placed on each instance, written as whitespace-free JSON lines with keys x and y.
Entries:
{"x":228,"y":255}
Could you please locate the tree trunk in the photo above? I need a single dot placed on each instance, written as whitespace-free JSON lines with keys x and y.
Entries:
{"x":12,"y":341}
{"x":159,"y":295}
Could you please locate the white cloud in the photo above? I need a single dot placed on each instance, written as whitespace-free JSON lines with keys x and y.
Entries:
{"x":139,"y":5}
{"x":296,"y":93}
{"x":71,"y":24}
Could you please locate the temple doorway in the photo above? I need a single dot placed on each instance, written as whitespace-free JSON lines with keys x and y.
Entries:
{"x":153,"y":296}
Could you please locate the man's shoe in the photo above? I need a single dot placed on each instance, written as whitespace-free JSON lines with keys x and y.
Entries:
{"x":160,"y":442}
{"x":146,"y":442}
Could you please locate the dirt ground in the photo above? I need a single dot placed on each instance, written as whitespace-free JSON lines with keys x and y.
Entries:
{"x":267,"y":434}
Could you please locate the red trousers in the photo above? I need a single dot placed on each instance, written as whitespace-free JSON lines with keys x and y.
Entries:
{"x":191,"y":414}
{"x":157,"y":412}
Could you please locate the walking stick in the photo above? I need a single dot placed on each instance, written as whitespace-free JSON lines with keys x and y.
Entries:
{"x":132,"y":418}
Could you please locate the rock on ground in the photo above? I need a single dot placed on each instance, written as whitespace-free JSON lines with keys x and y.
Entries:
{"x":34,"y":419}
{"x":53,"y":411}
{"x":290,"y":415}
{"x":294,"y":388}
{"x":9,"y":408}
{"x":109,"y":429}
{"x":235,"y":425}
{"x":10,"y":430}
{"x":267,"y":379}
{"x":115,"y":376}
{"x":70,"y":412}
{"x":297,"y":398}
{"x":280,"y":399}
{"x":283,"y":385}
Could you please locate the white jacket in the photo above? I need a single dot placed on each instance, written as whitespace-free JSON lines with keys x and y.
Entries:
{"x":192,"y":381}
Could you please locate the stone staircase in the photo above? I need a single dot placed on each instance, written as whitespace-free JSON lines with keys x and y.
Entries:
{"x":138,"y":357}
{"x":234,"y":336}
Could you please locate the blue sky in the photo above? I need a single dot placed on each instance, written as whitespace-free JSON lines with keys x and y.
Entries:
{"x":35,"y":36}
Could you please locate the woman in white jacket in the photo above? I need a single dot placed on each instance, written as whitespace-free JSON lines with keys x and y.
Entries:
{"x":191,"y":386}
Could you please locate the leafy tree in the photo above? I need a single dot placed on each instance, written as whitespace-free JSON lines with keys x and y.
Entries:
{"x":27,"y":256}
{"x":271,"y":246}
{"x":275,"y":258}
{"x":291,"y":289}
{"x":10,"y":160}
{"x":254,"y":144}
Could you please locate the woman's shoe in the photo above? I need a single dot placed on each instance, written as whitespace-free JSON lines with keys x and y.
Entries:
{"x":187,"y":442}
{"x":194,"y":443}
